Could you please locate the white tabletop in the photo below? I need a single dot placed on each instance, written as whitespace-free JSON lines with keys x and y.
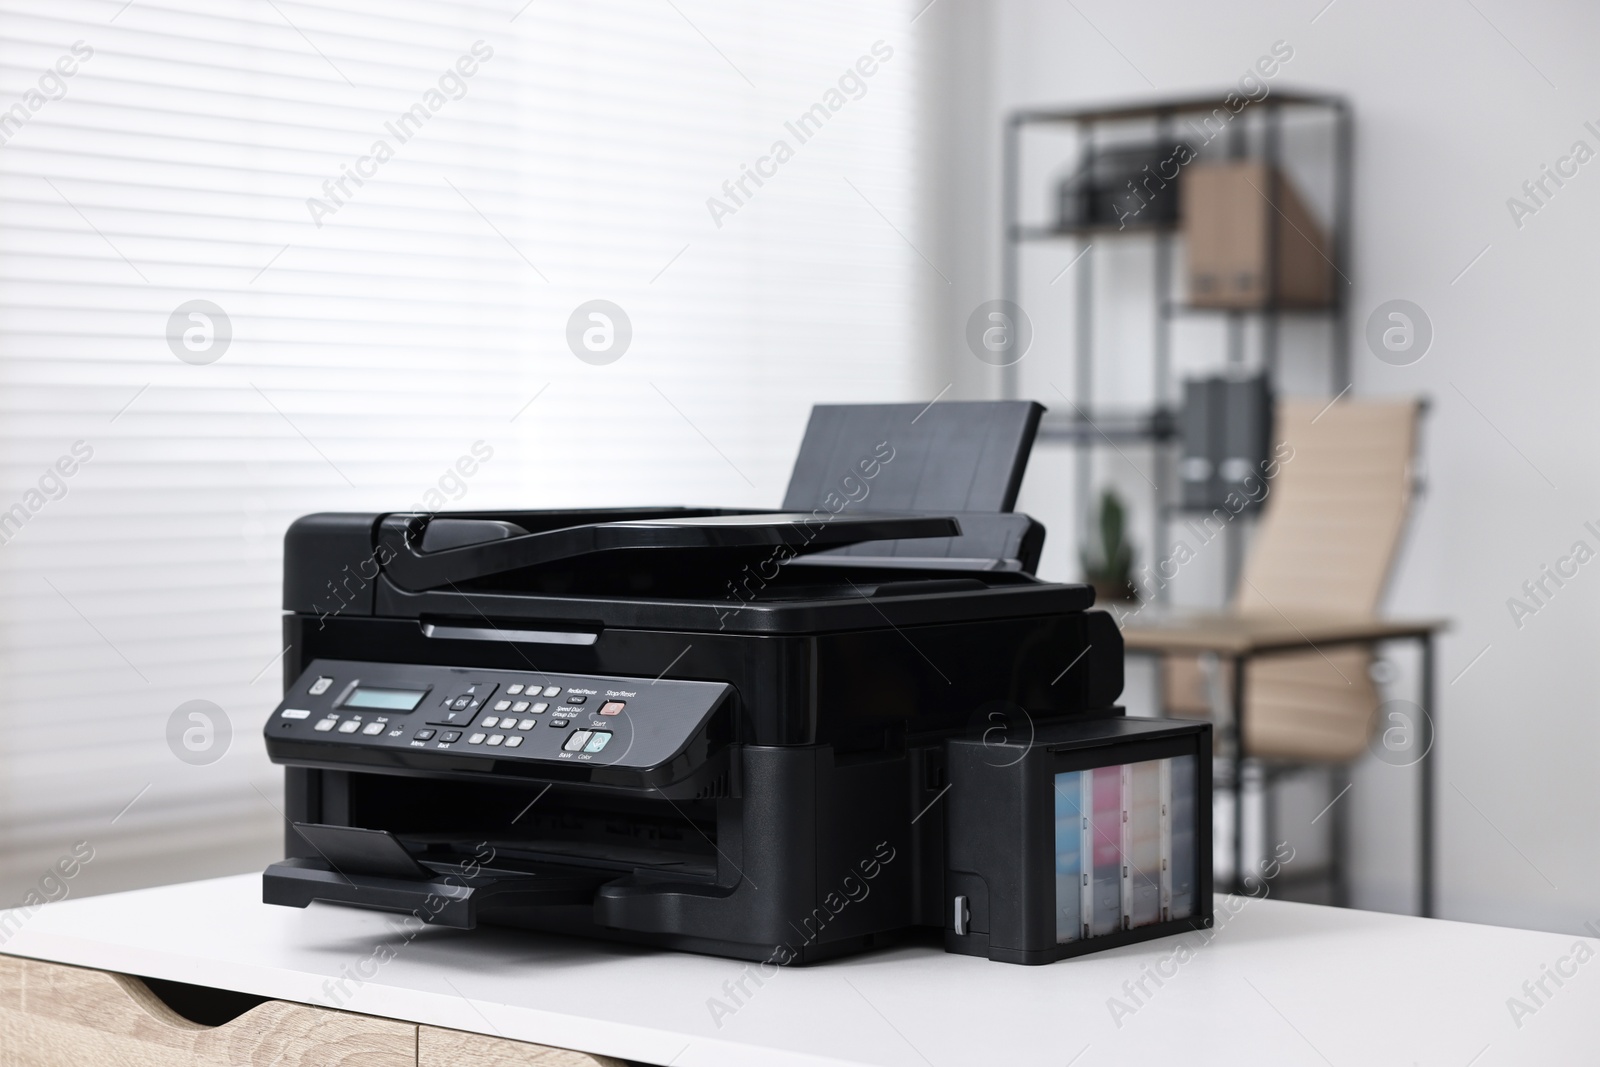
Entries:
{"x":1280,"y":984}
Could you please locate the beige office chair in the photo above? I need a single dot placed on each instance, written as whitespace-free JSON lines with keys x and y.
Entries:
{"x":1329,"y":532}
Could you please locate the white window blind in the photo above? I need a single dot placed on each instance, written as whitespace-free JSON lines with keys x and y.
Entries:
{"x":383,"y":325}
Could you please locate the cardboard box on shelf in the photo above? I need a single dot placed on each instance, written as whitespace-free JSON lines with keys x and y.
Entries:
{"x":1228,"y":212}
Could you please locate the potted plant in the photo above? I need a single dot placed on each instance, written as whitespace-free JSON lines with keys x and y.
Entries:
{"x":1108,"y":563}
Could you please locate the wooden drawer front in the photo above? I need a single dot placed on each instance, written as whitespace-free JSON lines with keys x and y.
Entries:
{"x":454,"y":1048}
{"x":52,"y":1015}
{"x":57,"y":1016}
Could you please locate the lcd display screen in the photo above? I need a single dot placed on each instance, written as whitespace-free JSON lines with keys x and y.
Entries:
{"x":372,"y":699}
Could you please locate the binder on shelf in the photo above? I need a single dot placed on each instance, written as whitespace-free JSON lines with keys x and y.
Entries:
{"x":1227,"y":439}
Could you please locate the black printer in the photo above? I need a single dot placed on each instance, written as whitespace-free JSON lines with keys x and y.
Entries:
{"x":778,"y":736}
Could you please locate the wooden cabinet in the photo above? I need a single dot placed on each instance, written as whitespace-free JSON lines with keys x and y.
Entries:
{"x":57,"y":1016}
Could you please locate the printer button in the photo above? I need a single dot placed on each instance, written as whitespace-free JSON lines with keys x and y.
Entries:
{"x":295,"y":713}
{"x":451,"y":736}
{"x":490,"y":723}
{"x":612,"y":707}
{"x":476,"y":739}
{"x":320,"y":686}
{"x":461,"y":709}
{"x":501,"y":705}
{"x":559,"y":723}
{"x":422,"y":735}
{"x":541,"y":706}
{"x":373,"y":729}
{"x":497,"y":739}
{"x":598,"y":742}
{"x":552,"y":691}
{"x":519,"y":706}
{"x":325,"y":725}
{"x":527,"y":724}
{"x":513,"y":742}
{"x":576,"y":742}
{"x":577,"y":700}
{"x":349,"y":726}
{"x":514,"y":690}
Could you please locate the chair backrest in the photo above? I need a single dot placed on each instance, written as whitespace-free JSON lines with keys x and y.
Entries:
{"x":1337,"y":508}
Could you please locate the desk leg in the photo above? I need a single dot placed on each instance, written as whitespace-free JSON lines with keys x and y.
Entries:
{"x":1238,"y":773}
{"x":1339,"y":780}
{"x":1425,"y":801}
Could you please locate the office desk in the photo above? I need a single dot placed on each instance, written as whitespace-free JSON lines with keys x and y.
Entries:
{"x":1240,"y":637}
{"x":1275,"y":983}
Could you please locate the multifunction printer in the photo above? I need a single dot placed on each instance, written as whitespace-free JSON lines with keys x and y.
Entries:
{"x":772,"y":735}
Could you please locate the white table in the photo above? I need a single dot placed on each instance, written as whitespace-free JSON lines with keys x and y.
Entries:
{"x":1279,"y":984}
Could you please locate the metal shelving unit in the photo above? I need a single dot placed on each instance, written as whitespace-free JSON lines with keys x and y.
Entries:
{"x":1084,"y":428}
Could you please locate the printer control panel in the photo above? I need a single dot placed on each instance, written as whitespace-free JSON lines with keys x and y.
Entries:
{"x":495,"y":714}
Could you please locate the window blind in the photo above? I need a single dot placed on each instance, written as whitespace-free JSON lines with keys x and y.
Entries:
{"x":260,"y":258}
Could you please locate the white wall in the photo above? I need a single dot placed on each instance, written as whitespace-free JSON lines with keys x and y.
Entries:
{"x":1455,"y":106}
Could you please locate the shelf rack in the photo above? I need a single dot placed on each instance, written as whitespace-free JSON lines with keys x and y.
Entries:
{"x":1081,"y":428}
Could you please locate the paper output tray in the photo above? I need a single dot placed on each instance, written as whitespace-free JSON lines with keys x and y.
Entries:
{"x":372,"y":869}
